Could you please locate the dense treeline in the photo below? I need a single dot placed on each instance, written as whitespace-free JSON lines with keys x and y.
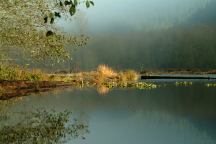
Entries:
{"x":185,"y":47}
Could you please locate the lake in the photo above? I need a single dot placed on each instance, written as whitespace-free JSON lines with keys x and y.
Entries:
{"x":169,"y":114}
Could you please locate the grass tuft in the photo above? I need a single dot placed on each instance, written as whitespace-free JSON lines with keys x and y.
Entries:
{"x":106,"y":71}
{"x":128,"y":76}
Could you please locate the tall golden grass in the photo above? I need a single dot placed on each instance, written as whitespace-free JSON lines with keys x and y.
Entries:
{"x":130,"y":75}
{"x":106,"y":71}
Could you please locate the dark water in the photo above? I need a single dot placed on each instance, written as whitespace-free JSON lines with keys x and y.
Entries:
{"x":166,"y":115}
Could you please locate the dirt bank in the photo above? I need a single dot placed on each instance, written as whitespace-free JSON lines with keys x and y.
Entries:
{"x":10,"y":89}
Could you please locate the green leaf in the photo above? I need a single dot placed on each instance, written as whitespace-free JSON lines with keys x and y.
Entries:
{"x":61,"y":4}
{"x":45,"y":19}
{"x":92,"y":3}
{"x":75,"y":2}
{"x":87,"y":4}
{"x":57,"y":14}
{"x":52,"y":20}
{"x":72,"y":10}
{"x":68,"y":3}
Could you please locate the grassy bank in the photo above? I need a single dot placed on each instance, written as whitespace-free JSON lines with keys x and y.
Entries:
{"x":103,"y":78}
{"x":15,"y":72}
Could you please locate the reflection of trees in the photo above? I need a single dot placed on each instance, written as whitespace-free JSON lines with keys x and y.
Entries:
{"x":4,"y":105}
{"x":3,"y":114}
{"x":43,"y":127}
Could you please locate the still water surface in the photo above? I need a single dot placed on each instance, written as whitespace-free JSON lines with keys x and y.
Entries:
{"x":166,"y":115}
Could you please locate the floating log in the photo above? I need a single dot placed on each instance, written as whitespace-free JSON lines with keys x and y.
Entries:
{"x":151,"y":77}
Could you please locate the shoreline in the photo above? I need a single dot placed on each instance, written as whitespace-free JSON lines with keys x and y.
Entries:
{"x":15,"y":82}
{"x":11,"y":89}
{"x":18,"y":88}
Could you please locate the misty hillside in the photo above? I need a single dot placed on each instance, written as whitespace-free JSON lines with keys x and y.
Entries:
{"x":174,"y":48}
{"x":205,"y":16}
{"x":190,"y":46}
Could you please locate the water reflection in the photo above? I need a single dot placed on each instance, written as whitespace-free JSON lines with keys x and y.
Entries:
{"x":39,"y":126}
{"x":164,"y":115}
{"x":103,"y":90}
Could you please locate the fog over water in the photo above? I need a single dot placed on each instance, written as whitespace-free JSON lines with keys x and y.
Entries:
{"x":149,"y":34}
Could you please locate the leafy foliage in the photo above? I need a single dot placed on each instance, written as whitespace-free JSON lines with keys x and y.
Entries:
{"x":29,"y":25}
{"x":43,"y":127}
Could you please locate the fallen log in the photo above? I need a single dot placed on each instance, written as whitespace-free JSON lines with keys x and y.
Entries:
{"x":151,"y":77}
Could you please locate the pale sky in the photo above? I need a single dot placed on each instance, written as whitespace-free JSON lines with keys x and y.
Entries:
{"x":136,"y":15}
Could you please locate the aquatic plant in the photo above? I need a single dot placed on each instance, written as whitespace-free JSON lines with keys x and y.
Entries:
{"x":106,"y":87}
{"x":211,"y":85}
{"x":138,"y":85}
{"x":146,"y":86}
{"x":185,"y":83}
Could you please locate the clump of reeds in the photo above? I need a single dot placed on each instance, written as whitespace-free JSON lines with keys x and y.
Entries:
{"x":128,"y":76}
{"x":106,"y":71}
{"x":131,"y":75}
{"x":104,"y":74}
